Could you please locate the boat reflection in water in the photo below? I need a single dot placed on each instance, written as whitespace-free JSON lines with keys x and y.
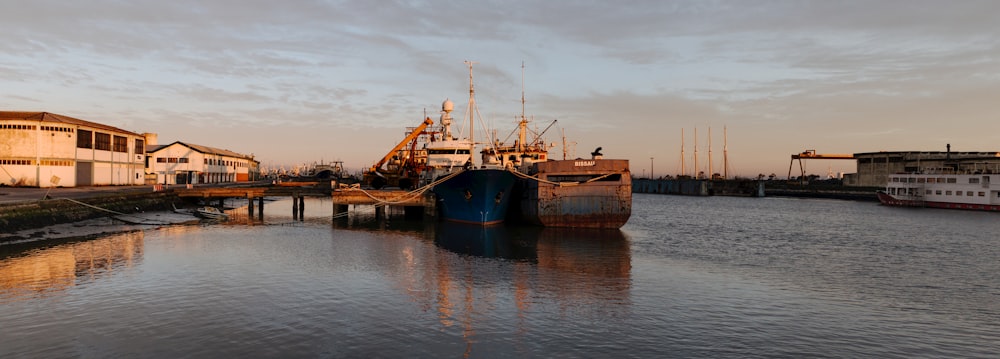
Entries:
{"x":579,"y":250}
{"x":541,"y":272}
{"x":481,"y":241}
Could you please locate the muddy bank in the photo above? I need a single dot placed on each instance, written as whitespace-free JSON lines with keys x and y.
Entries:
{"x":94,"y":228}
{"x":15,"y":217}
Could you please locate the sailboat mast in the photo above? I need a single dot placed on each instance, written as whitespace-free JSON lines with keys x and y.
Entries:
{"x":711,"y":167}
{"x":696,"y":174}
{"x":683,"y":166}
{"x":725,"y":154}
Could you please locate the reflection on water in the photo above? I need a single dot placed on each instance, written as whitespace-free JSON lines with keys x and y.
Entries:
{"x":483,"y":241}
{"x":50,"y":270}
{"x":543,"y":269}
{"x":866,"y":281}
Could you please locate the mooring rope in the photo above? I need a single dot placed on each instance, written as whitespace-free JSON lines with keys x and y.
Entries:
{"x":560,"y":184}
{"x":145,"y":221}
{"x":409,"y":195}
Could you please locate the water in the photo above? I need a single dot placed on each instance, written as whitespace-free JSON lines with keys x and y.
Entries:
{"x":686,"y":277}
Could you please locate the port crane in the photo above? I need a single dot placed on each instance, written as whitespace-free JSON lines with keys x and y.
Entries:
{"x":402,"y":167}
{"x":811,"y":154}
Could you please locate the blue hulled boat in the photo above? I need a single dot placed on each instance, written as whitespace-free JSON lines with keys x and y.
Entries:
{"x":475,"y":196}
{"x":465,"y":192}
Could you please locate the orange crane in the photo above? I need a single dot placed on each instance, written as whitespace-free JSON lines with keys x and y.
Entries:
{"x":402,"y":171}
{"x":811,"y":154}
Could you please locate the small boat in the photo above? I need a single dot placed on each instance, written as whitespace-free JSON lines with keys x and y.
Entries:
{"x":943,"y":188}
{"x":209,"y":212}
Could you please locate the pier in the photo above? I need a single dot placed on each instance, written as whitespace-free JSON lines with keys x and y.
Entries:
{"x":412,"y":203}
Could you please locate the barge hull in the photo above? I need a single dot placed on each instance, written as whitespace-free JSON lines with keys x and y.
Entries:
{"x":578,"y":193}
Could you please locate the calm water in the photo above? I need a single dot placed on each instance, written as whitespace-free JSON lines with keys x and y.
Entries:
{"x":686,"y":277}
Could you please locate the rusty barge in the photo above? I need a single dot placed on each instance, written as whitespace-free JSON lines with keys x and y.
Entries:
{"x":594,"y":193}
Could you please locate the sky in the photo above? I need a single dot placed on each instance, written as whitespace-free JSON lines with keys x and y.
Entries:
{"x":301,"y":82}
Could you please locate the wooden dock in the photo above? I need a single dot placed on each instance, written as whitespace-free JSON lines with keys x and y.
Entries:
{"x":342,"y":198}
{"x":252,"y":192}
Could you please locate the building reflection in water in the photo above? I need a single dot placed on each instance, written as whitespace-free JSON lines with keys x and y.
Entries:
{"x":50,"y":270}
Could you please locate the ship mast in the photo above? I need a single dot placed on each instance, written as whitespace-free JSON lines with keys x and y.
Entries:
{"x":472,"y":110}
{"x":523,"y":125}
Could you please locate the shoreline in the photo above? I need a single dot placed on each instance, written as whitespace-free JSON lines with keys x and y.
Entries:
{"x":97,"y":227}
{"x":68,"y":210}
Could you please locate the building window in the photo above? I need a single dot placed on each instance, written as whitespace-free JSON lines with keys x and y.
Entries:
{"x":952,"y":180}
{"x":982,"y":194}
{"x":938,"y":192}
{"x":120,"y":144}
{"x":16,"y":162}
{"x":973,"y":181}
{"x":947,"y":193}
{"x":968,"y":193}
{"x":84,"y":139}
{"x":102,"y":141}
{"x":182,"y":160}
{"x":172,"y":160}
{"x":140,"y":146}
{"x":161,"y":160}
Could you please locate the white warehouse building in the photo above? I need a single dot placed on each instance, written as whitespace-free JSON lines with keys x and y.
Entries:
{"x":184,"y":163}
{"x":42,"y":149}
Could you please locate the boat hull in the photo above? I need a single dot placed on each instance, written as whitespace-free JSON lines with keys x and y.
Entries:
{"x":210,"y":213}
{"x":890,"y":200}
{"x":480,"y":196}
{"x":577,"y":193}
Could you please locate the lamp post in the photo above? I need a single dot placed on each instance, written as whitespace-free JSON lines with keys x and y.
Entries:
{"x":651,"y":168}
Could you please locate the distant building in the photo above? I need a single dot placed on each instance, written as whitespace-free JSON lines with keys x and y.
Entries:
{"x":183,"y":163}
{"x":42,"y":149}
{"x":874,"y":167}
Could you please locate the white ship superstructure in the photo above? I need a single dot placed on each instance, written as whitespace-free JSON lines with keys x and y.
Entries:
{"x":978,"y":190}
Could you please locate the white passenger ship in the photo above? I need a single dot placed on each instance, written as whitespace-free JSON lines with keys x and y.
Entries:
{"x":943,"y":189}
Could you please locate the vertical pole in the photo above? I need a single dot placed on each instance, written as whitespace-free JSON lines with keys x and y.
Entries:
{"x":302,"y":208}
{"x":249,"y":205}
{"x":260,"y":207}
{"x":295,"y":207}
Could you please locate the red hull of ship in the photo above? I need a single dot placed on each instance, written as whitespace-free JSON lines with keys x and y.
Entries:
{"x":889,"y":200}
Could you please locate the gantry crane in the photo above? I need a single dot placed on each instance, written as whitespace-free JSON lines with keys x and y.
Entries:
{"x":811,"y":154}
